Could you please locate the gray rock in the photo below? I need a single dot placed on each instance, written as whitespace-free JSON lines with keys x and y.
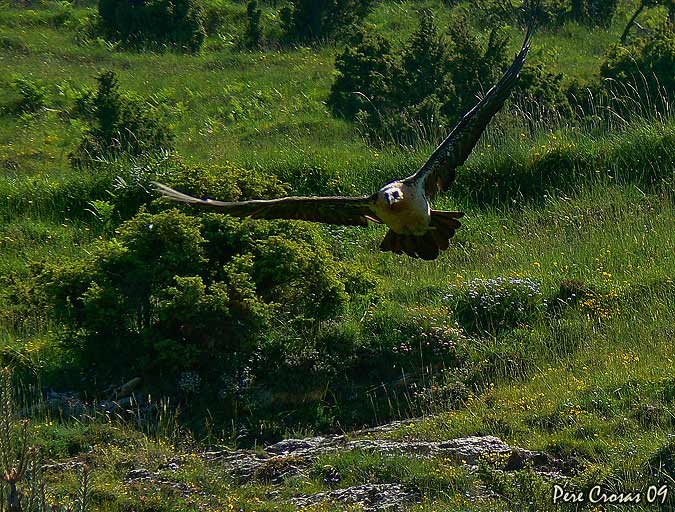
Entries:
{"x":156,"y":480}
{"x":387,"y":447}
{"x":304,"y":446}
{"x":372,"y":497}
{"x":467,"y":450}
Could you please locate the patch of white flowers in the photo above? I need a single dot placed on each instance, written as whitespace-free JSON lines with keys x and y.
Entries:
{"x":189,"y":382}
{"x":502,"y":300}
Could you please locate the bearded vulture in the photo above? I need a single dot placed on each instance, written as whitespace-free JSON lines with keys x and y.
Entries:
{"x":403,"y":205}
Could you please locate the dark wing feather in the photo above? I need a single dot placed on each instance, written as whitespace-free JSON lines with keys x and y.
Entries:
{"x":439,"y":171}
{"x":348,"y":211}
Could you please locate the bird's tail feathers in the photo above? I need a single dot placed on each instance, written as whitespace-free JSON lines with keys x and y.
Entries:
{"x":428,"y":246}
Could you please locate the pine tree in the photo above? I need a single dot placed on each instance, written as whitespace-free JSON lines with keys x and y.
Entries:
{"x":425,"y":69}
{"x":254,"y":30}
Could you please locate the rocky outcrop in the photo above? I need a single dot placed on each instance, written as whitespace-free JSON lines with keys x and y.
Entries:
{"x":158,"y":481}
{"x":292,"y":456}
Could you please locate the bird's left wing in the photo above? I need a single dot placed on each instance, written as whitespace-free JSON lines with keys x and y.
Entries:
{"x":439,"y":171}
{"x":348,"y":211}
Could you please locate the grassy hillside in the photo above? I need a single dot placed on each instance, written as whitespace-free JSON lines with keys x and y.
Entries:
{"x":568,"y":237}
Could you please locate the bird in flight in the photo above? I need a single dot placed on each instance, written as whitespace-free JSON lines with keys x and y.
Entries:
{"x":415,"y":228}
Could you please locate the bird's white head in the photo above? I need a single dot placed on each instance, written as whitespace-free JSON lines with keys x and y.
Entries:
{"x":390,"y":195}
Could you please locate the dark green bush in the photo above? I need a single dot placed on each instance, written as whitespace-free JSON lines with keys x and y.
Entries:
{"x":600,"y":12}
{"x":412,"y":96}
{"x":540,"y":91}
{"x":173,"y":293}
{"x":491,"y":12}
{"x":306,"y":20}
{"x":31,"y":95}
{"x":548,"y":12}
{"x":647,"y":63}
{"x":475,"y":63}
{"x":153,"y":23}
{"x":364,"y":76}
{"x":426,"y":67}
{"x":592,"y":12}
{"x":225,"y":181}
{"x":220,"y":15}
{"x":119,"y":125}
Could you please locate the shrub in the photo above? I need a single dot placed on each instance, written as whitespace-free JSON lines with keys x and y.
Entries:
{"x":600,"y":12}
{"x":31,"y":95}
{"x":395,"y":97}
{"x":542,"y":89}
{"x":316,"y":19}
{"x":119,"y":125}
{"x":174,"y":293}
{"x":594,"y":12}
{"x":408,"y":125}
{"x":291,"y":264}
{"x":225,"y":181}
{"x":155,"y":23}
{"x":489,"y":12}
{"x":140,"y":305}
{"x":218,"y":15}
{"x":647,"y":63}
{"x":496,"y":304}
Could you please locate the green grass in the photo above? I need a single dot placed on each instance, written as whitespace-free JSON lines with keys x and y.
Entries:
{"x":594,"y":379}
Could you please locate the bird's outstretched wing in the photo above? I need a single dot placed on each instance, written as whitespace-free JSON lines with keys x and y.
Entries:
{"x":348,"y":211}
{"x":439,"y":171}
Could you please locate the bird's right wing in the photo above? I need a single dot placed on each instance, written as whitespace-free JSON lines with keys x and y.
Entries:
{"x":348,"y":211}
{"x":439,"y":171}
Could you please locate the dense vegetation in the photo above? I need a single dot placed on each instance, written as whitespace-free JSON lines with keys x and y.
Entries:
{"x":547,"y":323}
